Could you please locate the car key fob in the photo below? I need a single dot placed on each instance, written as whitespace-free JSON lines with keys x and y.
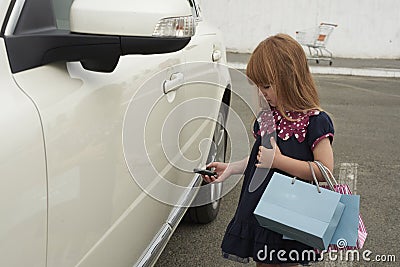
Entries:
{"x":205,"y":172}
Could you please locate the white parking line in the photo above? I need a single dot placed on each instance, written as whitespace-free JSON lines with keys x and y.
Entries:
{"x":348,"y":175}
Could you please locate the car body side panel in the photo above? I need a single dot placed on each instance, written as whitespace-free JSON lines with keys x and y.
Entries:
{"x":96,"y":210}
{"x":23,"y":193}
{"x":98,"y":215}
{"x":208,"y":39}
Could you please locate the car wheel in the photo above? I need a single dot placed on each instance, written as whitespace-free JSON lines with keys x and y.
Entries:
{"x":207,"y":213}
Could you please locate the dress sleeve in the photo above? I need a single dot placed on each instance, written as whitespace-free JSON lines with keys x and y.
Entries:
{"x":320,"y":127}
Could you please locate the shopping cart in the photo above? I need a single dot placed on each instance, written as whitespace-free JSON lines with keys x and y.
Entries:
{"x":315,"y":40}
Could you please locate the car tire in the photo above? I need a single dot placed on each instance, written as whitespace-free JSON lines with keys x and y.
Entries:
{"x":207,"y":213}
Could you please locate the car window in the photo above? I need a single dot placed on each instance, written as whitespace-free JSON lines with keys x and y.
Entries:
{"x":38,"y":16}
{"x":61,"y":12}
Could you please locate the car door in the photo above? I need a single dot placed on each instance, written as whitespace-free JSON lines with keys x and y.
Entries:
{"x":23,"y":189}
{"x":98,"y":215}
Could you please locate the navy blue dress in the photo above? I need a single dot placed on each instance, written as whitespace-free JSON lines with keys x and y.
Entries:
{"x":244,"y":237}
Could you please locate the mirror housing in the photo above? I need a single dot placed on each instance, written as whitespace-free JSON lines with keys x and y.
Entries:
{"x":124,"y":17}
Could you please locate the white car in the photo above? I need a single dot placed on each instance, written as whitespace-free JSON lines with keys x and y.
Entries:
{"x":100,"y":126}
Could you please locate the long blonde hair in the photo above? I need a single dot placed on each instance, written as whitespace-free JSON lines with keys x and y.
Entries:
{"x":280,"y":61}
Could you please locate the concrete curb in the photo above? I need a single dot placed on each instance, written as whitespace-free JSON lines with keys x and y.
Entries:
{"x":365,"y":72}
{"x":386,"y":73}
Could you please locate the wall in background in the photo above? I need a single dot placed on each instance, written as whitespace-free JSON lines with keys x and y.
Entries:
{"x":366,"y":28}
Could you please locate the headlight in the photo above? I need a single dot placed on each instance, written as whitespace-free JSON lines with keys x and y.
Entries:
{"x":179,"y":27}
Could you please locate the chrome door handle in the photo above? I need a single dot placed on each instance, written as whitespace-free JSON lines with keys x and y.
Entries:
{"x":175,"y":81}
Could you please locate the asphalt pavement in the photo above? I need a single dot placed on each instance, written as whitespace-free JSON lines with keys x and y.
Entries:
{"x":365,"y":110}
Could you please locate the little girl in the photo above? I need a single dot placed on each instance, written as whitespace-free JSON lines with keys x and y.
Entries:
{"x":278,"y":66}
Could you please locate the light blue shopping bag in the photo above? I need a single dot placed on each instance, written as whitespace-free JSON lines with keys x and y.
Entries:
{"x":346,"y":233}
{"x":300,"y":210}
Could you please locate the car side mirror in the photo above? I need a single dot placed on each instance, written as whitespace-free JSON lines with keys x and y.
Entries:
{"x":101,"y":31}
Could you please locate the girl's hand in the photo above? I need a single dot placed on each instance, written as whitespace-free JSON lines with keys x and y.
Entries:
{"x":221,"y":169}
{"x":267,"y":158}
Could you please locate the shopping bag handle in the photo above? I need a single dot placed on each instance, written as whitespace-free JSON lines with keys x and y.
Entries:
{"x":327,"y":174}
{"x":313,"y":175}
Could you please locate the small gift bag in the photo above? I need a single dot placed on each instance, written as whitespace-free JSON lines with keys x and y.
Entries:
{"x":350,"y":233}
